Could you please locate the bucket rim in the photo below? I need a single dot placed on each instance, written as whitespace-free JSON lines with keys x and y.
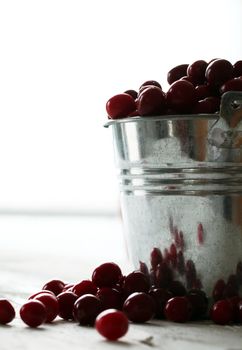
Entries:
{"x":161,"y":118}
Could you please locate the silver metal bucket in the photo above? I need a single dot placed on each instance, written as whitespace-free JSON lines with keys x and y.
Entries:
{"x":181,"y":193}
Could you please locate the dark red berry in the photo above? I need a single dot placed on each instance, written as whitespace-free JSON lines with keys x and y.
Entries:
{"x":106,"y":275}
{"x":218,"y":290}
{"x":202,"y":91}
{"x":86,"y":309}
{"x":139,"y":307}
{"x":178,"y":309}
{"x":51,"y":304}
{"x":155,"y":257}
{"x":160,"y":297}
{"x":136,"y":281}
{"x":41,"y":292}
{"x":234,"y":84}
{"x":177,"y":289}
{"x":209,"y":105}
{"x":55,"y":286}
{"x":237,"y":69}
{"x":151,"y":101}
{"x":218,"y":72}
{"x":110,"y":298}
{"x":151,"y":83}
{"x":199,"y":302}
{"x":7,"y":312}
{"x":222,"y":312}
{"x":181,"y":96}
{"x":177,"y":73}
{"x":112,"y":324}
{"x":132,"y":93}
{"x":66,"y":302}
{"x":33,"y":313}
{"x":84,"y":287}
{"x":120,"y":106}
{"x":196,"y":71}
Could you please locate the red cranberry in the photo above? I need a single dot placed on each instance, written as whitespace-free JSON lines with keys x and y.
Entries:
{"x":218,"y":290}
{"x":112,"y":324}
{"x":160,"y":297}
{"x":218,"y":72}
{"x":136,"y":281}
{"x":222,"y":312}
{"x":199,"y":302}
{"x":132,"y":93}
{"x":177,"y":289}
{"x":178,"y":309}
{"x":84,"y":287}
{"x":68,"y":287}
{"x":202,"y":91}
{"x":139,"y":307}
{"x":51,"y":304}
{"x":177,"y":73}
{"x":151,"y":101}
{"x":66,"y":302}
{"x":181,"y":96}
{"x":120,"y":106}
{"x":55,"y":286}
{"x":196,"y":71}
{"x":41,"y":292}
{"x":33,"y":313}
{"x":86,"y":309}
{"x":7,"y":312}
{"x":155,"y":257}
{"x":207,"y":106}
{"x":237,"y":68}
{"x":110,"y":298}
{"x":234,"y":84}
{"x":152,"y":83}
{"x":163,"y":275}
{"x":106,"y":275}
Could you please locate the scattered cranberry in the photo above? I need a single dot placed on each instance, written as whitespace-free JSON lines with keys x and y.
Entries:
{"x":33,"y":313}
{"x":160,"y":297}
{"x":181,"y":96}
{"x":86,"y":309}
{"x":66,"y":301}
{"x":112,"y":324}
{"x":178,"y":309}
{"x":136,"y":281}
{"x":55,"y":286}
{"x":139,"y":307}
{"x":7,"y":312}
{"x":106,"y":275}
{"x":120,"y":106}
{"x":177,"y":73}
{"x":110,"y":298}
{"x":84,"y":287}
{"x":222,"y":312}
{"x":202,"y":91}
{"x":68,"y":287}
{"x":51,"y":304}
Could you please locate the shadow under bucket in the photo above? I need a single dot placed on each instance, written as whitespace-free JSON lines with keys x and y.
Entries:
{"x":181,"y":196}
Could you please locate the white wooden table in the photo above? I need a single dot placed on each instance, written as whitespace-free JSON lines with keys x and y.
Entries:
{"x":36,"y":249}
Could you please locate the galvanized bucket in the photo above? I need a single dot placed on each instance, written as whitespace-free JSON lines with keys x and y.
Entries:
{"x":181,"y":195}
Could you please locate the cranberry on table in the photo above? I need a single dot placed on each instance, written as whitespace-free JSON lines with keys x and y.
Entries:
{"x":110,"y":298}
{"x":196,"y":71}
{"x":33,"y":313}
{"x":222,"y":312}
{"x":160,"y":297}
{"x":218,"y":72}
{"x":106,"y":275}
{"x":177,"y":73}
{"x":7,"y":312}
{"x":86,"y":308}
{"x":136,"y":281}
{"x":178,"y":309}
{"x":120,"y":106}
{"x":66,"y":301}
{"x":181,"y":96}
{"x":139,"y":307}
{"x":151,"y":101}
{"x":51,"y":304}
{"x":112,"y":324}
{"x":84,"y":287}
{"x":55,"y":286}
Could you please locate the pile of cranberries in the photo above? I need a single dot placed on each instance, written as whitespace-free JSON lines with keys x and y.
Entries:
{"x":195,"y":88}
{"x":110,"y":300}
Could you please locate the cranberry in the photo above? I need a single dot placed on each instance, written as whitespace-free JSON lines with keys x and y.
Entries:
{"x":66,"y":301}
{"x":151,"y":83}
{"x":234,"y":84}
{"x":55,"y":286}
{"x":33,"y":313}
{"x":177,"y":73}
{"x":231,"y":289}
{"x":68,"y":287}
{"x":177,"y":289}
{"x":222,"y":312}
{"x":136,"y":281}
{"x":181,"y":96}
{"x":110,"y":298}
{"x":39,"y":293}
{"x":51,"y":304}
{"x":208,"y":105}
{"x":218,"y":72}
{"x":7,"y":312}
{"x":199,"y":302}
{"x":163,"y":275}
{"x":84,"y":287}
{"x":155,"y":257}
{"x":196,"y":71}
{"x":237,"y":68}
{"x":86,"y":309}
{"x":178,"y":309}
{"x":106,"y":275}
{"x":112,"y":324}
{"x":151,"y":101}
{"x":218,"y":290}
{"x":160,"y":297}
{"x":139,"y":307}
{"x":120,"y":106}
{"x":202,"y":91}
{"x":132,"y":93}
{"x":187,"y":78}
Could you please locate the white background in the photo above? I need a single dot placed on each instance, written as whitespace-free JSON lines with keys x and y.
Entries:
{"x":60,"y":61}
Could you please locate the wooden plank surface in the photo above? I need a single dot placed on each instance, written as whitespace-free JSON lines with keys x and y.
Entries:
{"x":34,"y":250}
